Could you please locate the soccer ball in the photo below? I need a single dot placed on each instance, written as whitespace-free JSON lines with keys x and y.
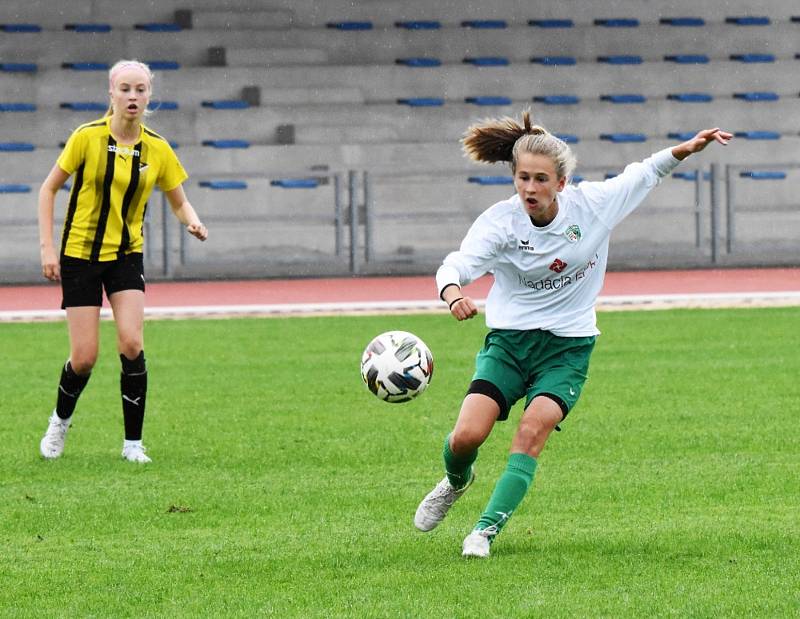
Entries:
{"x":397,"y":366}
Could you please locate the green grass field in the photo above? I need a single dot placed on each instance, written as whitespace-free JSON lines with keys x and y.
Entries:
{"x":281,"y":487}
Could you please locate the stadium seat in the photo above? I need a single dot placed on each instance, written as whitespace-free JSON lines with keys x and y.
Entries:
{"x":16,"y":147}
{"x":763,"y":175}
{"x":620,"y":59}
{"x":350,"y":25}
{"x":163,"y":65}
{"x":619,"y":138}
{"x":555,"y":60}
{"x":17,"y":107}
{"x":487,"y":61}
{"x":491,"y":180}
{"x":617,"y":23}
{"x":557,"y":99}
{"x":295,"y":183}
{"x":682,"y":21}
{"x":162,"y":105}
{"x":748,"y":21}
{"x":14,"y":188}
{"x":223,"y":185}
{"x":226,"y":104}
{"x":485,"y":23}
{"x":94,"y":28}
{"x":86,"y":66}
{"x":158,"y":27}
{"x":419,"y":25}
{"x":422,"y":101}
{"x":758,"y":135}
{"x":753,"y":57}
{"x":689,"y":176}
{"x":551,"y":23}
{"x":20,"y":28}
{"x":226,"y":143}
{"x":690,"y":97}
{"x":756,"y":96}
{"x":488,"y":100}
{"x":568,"y":138}
{"x":19,"y":67}
{"x":681,"y":136}
{"x":624,"y":98}
{"x":84,"y":106}
{"x":419,"y":62}
{"x":687,"y":58}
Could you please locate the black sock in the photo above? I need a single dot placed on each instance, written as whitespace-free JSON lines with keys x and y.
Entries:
{"x":69,"y":390}
{"x":133,"y":387}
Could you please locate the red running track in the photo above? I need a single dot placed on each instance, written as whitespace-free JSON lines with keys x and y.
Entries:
{"x":370,"y":289}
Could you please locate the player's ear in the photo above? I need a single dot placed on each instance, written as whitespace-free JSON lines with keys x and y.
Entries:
{"x":562,"y":182}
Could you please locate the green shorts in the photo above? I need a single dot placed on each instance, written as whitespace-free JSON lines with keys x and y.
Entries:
{"x":514,"y":364}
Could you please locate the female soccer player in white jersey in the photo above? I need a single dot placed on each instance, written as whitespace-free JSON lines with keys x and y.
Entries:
{"x":116,"y":162}
{"x":547,"y":248}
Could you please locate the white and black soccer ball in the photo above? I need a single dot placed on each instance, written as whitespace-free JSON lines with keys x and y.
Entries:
{"x":397,"y":366}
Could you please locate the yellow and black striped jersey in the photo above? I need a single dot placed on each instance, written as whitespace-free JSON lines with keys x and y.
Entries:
{"x":111,"y":185}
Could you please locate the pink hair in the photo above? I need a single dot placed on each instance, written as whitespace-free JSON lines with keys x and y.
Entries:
{"x":129,"y":64}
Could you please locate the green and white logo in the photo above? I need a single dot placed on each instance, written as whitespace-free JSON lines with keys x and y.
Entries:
{"x":573,"y":233}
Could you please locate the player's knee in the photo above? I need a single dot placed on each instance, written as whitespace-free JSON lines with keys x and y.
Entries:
{"x":465,"y":440}
{"x":130,"y":346}
{"x":83,"y":360}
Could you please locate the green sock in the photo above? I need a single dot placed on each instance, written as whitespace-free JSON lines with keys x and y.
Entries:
{"x":509,"y":491}
{"x":458,"y":468}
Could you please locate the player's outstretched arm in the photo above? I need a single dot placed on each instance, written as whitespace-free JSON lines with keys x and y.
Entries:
{"x":700,"y":141}
{"x":186,"y":214}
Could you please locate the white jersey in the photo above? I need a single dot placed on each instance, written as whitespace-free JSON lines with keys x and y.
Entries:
{"x":549,"y":277}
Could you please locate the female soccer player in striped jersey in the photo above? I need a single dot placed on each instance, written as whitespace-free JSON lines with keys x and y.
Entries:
{"x":116,"y":162}
{"x":547,"y":248}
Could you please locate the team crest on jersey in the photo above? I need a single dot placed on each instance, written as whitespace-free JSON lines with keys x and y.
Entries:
{"x":573,"y":233}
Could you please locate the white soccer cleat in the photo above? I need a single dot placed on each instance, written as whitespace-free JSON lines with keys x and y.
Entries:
{"x":52,"y":445}
{"x":477,"y":543}
{"x":437,"y":503}
{"x":135,"y":453}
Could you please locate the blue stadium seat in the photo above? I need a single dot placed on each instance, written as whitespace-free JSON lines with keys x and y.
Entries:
{"x":223,"y":184}
{"x":619,"y":138}
{"x":16,"y":147}
{"x":758,"y":135}
{"x":557,"y":99}
{"x":419,"y":25}
{"x":226,"y":104}
{"x":349,"y":25}
{"x":690,"y":176}
{"x":763,"y":175}
{"x":162,"y":105}
{"x":86,"y":66}
{"x":687,"y":58}
{"x":419,"y":62}
{"x":295,"y":183}
{"x":20,"y":28}
{"x":487,"y":61}
{"x":488,"y":100}
{"x":690,"y":97}
{"x":19,"y":67}
{"x":491,"y":180}
{"x":753,"y":57}
{"x":484,"y":23}
{"x":14,"y":188}
{"x":551,"y":23}
{"x":163,"y":65}
{"x":624,"y":98}
{"x":567,"y":137}
{"x":88,"y":27}
{"x":226,"y":143}
{"x":17,"y":107}
{"x":620,"y":59}
{"x":681,"y":136}
{"x":756,"y":96}
{"x":158,"y":27}
{"x":748,"y":21}
{"x":84,"y":106}
{"x":555,"y":60}
{"x":617,"y":23}
{"x":422,"y":101}
{"x":682,"y":21}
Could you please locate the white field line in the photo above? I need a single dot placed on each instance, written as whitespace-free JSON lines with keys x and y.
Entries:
{"x":605,"y":303}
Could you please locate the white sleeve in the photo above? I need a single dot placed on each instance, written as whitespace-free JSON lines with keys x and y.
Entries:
{"x":614,"y":199}
{"x":475,"y":257}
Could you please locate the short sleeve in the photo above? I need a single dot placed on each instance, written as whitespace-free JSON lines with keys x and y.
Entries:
{"x":74,"y":152}
{"x":172,"y":172}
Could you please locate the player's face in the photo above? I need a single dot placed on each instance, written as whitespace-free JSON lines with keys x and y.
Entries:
{"x":130,"y":93}
{"x":538,"y":185}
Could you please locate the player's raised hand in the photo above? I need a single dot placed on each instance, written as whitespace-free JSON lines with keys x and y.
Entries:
{"x":700,"y":141}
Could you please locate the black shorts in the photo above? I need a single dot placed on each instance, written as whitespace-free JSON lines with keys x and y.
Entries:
{"x":82,"y":282}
